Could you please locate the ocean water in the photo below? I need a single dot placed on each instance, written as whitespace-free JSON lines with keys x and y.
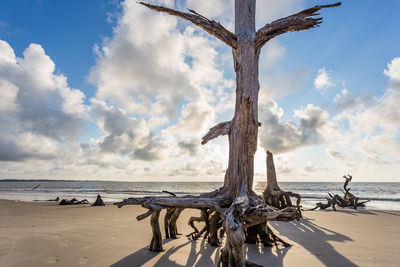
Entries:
{"x":383,"y":196}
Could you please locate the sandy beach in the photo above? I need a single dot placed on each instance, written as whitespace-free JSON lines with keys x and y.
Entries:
{"x":45,"y":234}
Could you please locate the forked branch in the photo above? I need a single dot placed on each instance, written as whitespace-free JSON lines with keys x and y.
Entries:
{"x":303,"y":20}
{"x":210,"y":26}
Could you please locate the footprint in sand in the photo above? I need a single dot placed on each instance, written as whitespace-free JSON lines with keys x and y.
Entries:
{"x":52,"y":260}
{"x":84,"y":260}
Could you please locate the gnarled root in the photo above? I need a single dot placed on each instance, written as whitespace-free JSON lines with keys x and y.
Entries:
{"x":212,"y":222}
{"x":246,"y":220}
{"x":247,"y":213}
{"x":281,"y":199}
{"x":203,"y":218}
{"x":156,"y":241}
{"x":171,"y":216}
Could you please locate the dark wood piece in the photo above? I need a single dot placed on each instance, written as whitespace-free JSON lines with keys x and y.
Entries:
{"x":99,"y":201}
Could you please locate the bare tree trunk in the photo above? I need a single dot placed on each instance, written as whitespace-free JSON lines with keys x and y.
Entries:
{"x":244,"y":127}
{"x":273,"y":195}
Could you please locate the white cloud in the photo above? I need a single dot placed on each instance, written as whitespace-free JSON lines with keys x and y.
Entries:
{"x":322,"y":80}
{"x":41,"y":115}
{"x":313,"y":128}
{"x":8,"y":95}
{"x":393,"y":71}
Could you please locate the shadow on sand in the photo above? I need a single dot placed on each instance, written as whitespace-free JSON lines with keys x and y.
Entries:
{"x":200,"y":255}
{"x":310,"y":236}
{"x":316,"y":239}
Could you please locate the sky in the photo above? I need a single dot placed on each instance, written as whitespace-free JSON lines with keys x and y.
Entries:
{"x":109,"y":90}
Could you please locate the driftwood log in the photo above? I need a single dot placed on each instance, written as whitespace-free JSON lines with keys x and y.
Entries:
{"x":348,"y":200}
{"x":235,"y":206}
{"x":73,"y":201}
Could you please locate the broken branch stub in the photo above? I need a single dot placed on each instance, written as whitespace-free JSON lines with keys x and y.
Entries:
{"x":222,"y":128}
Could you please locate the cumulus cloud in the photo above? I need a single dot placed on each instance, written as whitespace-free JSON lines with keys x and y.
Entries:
{"x":151,"y":67}
{"x":393,"y":71}
{"x":322,"y":80}
{"x":312,"y":127}
{"x":40,"y":113}
{"x":373,"y":126}
{"x":8,"y":96}
{"x":125,"y":135}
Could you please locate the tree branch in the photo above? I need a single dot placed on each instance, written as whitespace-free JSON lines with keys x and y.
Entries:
{"x":210,"y":26}
{"x":222,"y":128}
{"x":300,"y":21}
{"x":156,"y":203}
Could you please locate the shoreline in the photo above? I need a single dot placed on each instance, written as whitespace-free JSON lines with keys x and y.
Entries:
{"x":307,"y":202}
{"x":110,"y":203}
{"x":44,"y":234}
{"x":383,"y":196}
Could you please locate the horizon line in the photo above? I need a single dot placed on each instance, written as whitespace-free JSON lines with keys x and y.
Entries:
{"x":158,"y":181}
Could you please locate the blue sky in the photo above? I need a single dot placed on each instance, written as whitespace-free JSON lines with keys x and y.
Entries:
{"x":109,"y":90}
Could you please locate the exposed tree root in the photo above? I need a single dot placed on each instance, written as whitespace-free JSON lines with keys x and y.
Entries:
{"x":171,"y":216}
{"x":273,"y":195}
{"x":246,"y":218}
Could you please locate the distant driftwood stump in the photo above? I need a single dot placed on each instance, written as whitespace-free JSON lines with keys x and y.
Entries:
{"x":98,"y":202}
{"x":235,"y":207}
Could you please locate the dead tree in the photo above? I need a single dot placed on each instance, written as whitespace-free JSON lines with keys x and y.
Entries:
{"x":273,"y":195}
{"x":235,"y":202}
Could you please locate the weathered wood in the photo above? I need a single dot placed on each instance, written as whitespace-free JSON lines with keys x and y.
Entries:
{"x":73,"y":201}
{"x":156,"y":241}
{"x":172,"y":194}
{"x":235,"y":203}
{"x":222,"y":128}
{"x":174,"y":202}
{"x":348,"y":179}
{"x":272,"y":194}
{"x":144,"y":215}
{"x":212,"y":27}
{"x":300,"y":21}
{"x":173,"y":230}
{"x":347,"y":200}
{"x":167,"y":219}
{"x":213,"y":225}
{"x":98,"y":202}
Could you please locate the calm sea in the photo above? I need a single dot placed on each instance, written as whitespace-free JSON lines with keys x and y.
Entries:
{"x":383,"y":196}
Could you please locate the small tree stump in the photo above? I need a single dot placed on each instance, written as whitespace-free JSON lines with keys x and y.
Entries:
{"x":98,"y":202}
